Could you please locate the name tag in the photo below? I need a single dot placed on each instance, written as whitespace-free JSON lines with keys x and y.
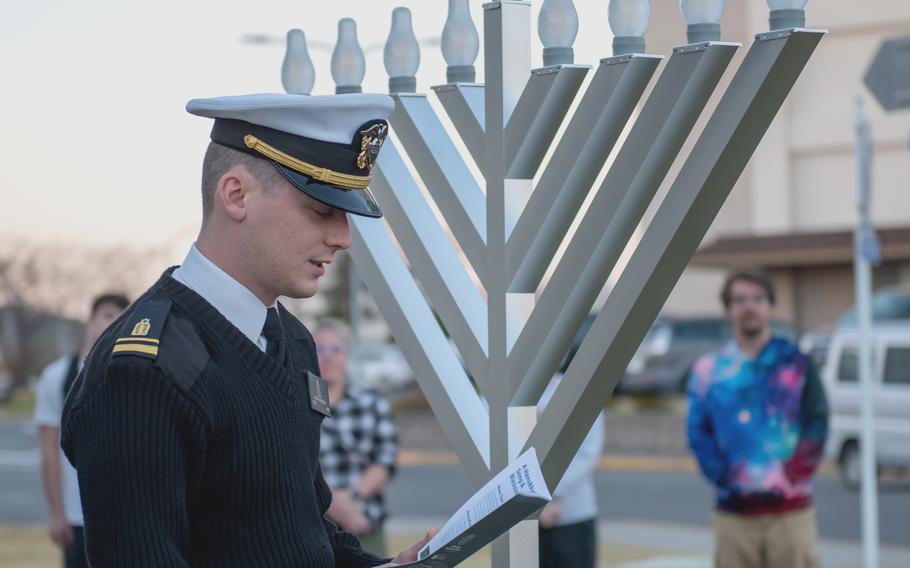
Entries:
{"x":319,"y":395}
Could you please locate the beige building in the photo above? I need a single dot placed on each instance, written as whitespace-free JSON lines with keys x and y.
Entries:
{"x":794,"y":206}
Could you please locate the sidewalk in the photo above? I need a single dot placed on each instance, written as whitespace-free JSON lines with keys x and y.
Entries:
{"x":631,"y":544}
{"x":638,"y":544}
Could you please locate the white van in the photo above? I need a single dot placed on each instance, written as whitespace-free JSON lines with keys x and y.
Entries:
{"x":891,"y":384}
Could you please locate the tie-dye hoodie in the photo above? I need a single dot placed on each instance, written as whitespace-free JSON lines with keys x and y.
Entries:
{"x":758,"y":426}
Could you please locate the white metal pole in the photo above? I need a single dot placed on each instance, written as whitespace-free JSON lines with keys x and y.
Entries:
{"x":506,"y":70}
{"x":863,"y":283}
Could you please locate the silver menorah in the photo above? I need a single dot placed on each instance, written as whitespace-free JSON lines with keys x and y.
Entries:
{"x":513,"y":331}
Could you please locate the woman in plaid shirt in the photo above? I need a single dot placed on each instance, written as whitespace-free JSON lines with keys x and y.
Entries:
{"x":358,"y":446}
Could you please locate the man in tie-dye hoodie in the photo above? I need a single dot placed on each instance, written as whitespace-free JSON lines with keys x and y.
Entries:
{"x":757,"y":425}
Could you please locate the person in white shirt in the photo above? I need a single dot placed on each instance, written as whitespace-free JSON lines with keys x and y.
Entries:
{"x":61,"y":485}
{"x":568,"y":535}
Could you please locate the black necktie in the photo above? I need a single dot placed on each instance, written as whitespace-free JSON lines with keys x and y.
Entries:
{"x":274,"y":334}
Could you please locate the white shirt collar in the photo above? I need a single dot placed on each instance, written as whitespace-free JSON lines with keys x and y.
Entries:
{"x":234,"y":300}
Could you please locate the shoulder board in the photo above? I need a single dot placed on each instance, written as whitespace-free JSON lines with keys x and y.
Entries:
{"x":140,"y":333}
{"x":185,"y":355}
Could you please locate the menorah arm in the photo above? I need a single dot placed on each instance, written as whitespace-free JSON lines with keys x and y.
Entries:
{"x":602,"y":113}
{"x":433,"y":362}
{"x":743,"y":115}
{"x":540,"y":111}
{"x":463,"y":102}
{"x":433,"y":259}
{"x":656,"y":139}
{"x":444,"y":173}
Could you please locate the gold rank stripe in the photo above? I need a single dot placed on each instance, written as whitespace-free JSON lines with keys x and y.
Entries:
{"x":345,"y":181}
{"x":142,"y":339}
{"x":136,"y":348}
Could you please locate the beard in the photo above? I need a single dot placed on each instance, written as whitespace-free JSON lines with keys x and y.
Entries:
{"x":751,"y":326}
{"x":750,"y":332}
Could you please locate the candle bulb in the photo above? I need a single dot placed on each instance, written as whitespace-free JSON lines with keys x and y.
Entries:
{"x":557,"y":26}
{"x":401,"y":55}
{"x":348,"y":63}
{"x":703,"y":18}
{"x":787,"y":14}
{"x":297,"y":72}
{"x":629,"y":20}
{"x":460,"y":43}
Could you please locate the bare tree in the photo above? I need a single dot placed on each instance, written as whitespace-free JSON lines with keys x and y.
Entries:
{"x":41,"y":281}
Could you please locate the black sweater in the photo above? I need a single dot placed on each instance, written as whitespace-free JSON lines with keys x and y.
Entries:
{"x":200,"y":450}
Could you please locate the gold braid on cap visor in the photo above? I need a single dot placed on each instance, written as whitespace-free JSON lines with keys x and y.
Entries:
{"x":342,"y":181}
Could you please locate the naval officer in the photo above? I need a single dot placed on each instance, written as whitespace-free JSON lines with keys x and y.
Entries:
{"x":195,"y":422}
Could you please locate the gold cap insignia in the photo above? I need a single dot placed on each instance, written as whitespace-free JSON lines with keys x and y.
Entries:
{"x":370,"y":144}
{"x":338,"y":179}
{"x":142,"y":327}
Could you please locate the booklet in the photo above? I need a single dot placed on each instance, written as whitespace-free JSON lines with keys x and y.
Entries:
{"x":510,"y":497}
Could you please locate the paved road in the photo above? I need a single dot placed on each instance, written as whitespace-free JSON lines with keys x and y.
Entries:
{"x":665,"y":497}
{"x":436,"y":491}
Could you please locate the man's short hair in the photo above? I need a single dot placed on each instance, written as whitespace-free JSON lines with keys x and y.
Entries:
{"x":753,"y":276}
{"x":338,"y":327}
{"x":115,"y":299}
{"x":218,"y":160}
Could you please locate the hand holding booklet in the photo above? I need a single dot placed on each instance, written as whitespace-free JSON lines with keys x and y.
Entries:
{"x":508,"y":498}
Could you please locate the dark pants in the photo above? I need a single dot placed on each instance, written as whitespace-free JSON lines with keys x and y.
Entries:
{"x":570,"y":545}
{"x":74,"y":555}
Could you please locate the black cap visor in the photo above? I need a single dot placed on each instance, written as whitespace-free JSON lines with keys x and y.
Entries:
{"x":355,"y":201}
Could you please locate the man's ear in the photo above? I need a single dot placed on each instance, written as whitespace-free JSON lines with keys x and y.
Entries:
{"x":232,"y":192}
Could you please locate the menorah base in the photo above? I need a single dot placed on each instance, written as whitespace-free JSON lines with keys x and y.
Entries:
{"x":558,"y":56}
{"x":698,"y":33}
{"x":403,"y":84}
{"x":790,"y":18}
{"x":460,"y":74}
{"x":623,"y":45}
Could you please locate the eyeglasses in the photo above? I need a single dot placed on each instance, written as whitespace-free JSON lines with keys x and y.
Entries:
{"x":743,"y":300}
{"x":329,"y":349}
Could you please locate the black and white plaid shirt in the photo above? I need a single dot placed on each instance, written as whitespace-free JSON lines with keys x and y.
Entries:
{"x":359,"y":433}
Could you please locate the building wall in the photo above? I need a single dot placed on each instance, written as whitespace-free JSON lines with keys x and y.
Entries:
{"x":822,"y":293}
{"x":815,"y":296}
{"x":802,"y":176}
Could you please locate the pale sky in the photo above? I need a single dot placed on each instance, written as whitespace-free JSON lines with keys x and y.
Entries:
{"x":98,"y":147}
